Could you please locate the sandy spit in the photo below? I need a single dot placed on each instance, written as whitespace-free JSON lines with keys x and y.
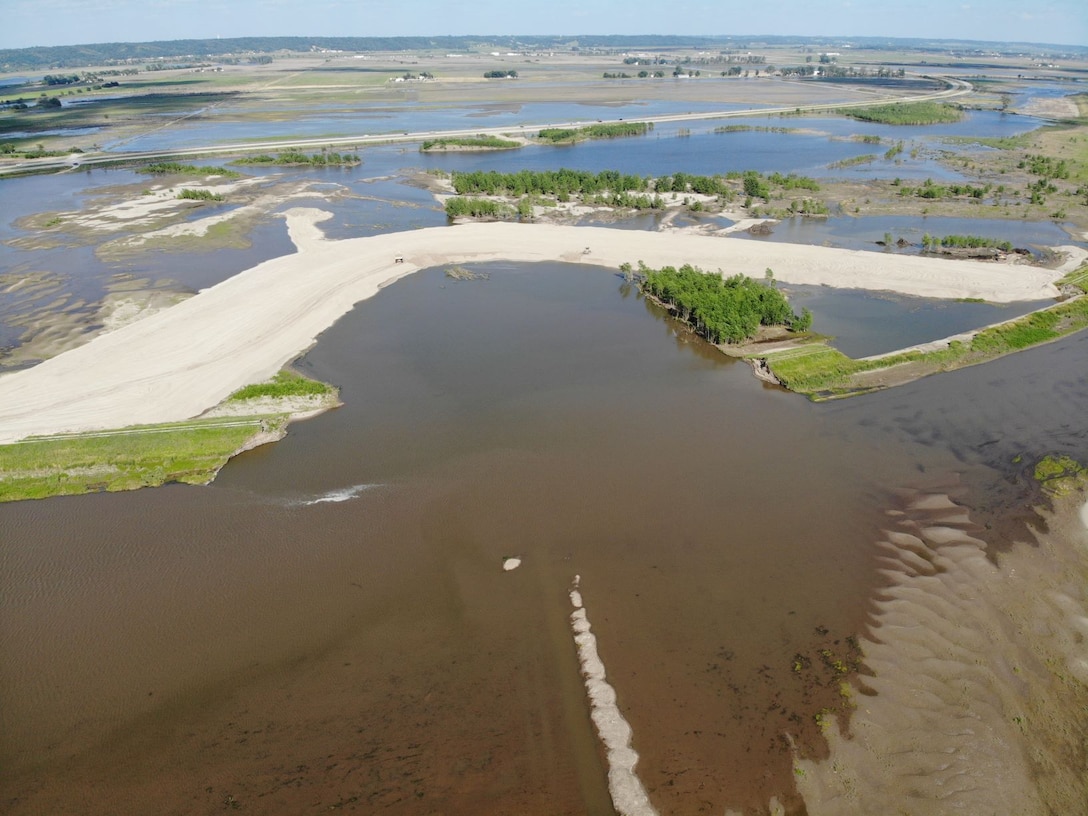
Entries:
{"x":182,"y":361}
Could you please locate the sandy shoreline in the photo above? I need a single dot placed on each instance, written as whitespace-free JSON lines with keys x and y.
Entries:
{"x":180,"y":362}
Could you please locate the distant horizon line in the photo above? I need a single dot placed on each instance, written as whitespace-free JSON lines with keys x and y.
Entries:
{"x":671,"y":39}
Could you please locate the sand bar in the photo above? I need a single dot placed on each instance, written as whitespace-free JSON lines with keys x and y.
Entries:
{"x":180,"y":362}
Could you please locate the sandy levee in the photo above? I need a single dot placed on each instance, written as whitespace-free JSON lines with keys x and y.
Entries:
{"x":180,"y":362}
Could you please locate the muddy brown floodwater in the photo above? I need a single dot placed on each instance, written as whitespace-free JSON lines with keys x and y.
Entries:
{"x":329,"y":625}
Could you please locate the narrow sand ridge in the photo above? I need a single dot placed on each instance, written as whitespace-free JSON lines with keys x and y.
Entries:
{"x":178,"y":363}
{"x":629,"y":797}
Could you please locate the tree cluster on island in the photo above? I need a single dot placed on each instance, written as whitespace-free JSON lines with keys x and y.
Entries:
{"x":296,"y":158}
{"x":566,"y":183}
{"x":720,"y":309}
{"x":611,"y":188}
{"x":470,"y":207}
{"x":61,"y":79}
{"x":937,"y":191}
{"x":602,"y":130}
{"x":932,"y":243}
{"x":908,"y":113}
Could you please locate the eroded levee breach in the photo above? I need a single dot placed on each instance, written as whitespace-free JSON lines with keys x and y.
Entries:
{"x":976,"y":694}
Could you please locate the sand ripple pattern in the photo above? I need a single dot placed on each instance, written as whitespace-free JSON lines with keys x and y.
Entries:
{"x":972,"y":700}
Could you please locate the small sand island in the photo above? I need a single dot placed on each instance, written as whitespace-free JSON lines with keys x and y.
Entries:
{"x":179,"y":364}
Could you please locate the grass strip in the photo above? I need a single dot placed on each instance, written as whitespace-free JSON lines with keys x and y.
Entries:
{"x":143,"y":456}
{"x":822,"y":372}
{"x":1077,"y":278}
{"x":189,"y":452}
{"x":285,"y":384}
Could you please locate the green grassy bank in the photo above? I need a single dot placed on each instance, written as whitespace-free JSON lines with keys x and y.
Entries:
{"x":190,"y":452}
{"x":822,"y":372}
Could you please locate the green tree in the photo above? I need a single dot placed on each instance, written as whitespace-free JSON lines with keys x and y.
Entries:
{"x":754,"y":186}
{"x":802,"y":322}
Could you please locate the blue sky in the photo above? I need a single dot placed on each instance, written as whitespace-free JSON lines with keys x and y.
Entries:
{"x":25,"y":23}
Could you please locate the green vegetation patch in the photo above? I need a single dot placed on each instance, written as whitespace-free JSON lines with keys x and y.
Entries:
{"x":285,"y":384}
{"x":14,"y":151}
{"x":1059,"y":474}
{"x":1045,"y":166}
{"x":908,"y":113}
{"x":611,"y":188}
{"x":145,"y":456}
{"x":933,"y":243}
{"x":1036,"y":328}
{"x":296,"y":158}
{"x":815,"y":369}
{"x":938,"y":191}
{"x":853,"y":161}
{"x":178,"y":169}
{"x":466,"y":206}
{"x":757,"y":185}
{"x":199,"y":195}
{"x":823,"y":372}
{"x":564,"y":183}
{"x":477,"y":142}
{"x":189,"y":452}
{"x":723,"y":310}
{"x":612,"y":130}
{"x":971,"y":242}
{"x":1077,"y":278}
